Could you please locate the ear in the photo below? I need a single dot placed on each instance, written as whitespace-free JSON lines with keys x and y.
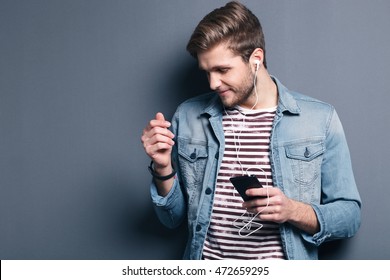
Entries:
{"x":256,"y":56}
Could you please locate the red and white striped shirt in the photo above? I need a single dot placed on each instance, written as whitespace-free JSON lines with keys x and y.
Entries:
{"x":247,"y":137}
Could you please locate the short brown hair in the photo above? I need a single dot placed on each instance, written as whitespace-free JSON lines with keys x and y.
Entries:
{"x":234,"y":24}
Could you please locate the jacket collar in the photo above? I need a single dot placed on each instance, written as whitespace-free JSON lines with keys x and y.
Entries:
{"x":286,"y":101}
{"x":214,"y":107}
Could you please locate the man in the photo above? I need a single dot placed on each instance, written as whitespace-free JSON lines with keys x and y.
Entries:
{"x":251,"y":126}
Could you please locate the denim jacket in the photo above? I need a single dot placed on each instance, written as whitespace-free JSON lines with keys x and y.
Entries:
{"x":310,"y":163}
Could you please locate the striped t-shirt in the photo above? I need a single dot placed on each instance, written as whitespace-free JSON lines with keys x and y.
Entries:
{"x":230,"y":234}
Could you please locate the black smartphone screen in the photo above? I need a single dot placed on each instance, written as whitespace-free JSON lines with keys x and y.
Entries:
{"x":242,"y":183}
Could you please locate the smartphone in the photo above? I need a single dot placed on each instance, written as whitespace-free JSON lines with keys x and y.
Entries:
{"x":242,"y":183}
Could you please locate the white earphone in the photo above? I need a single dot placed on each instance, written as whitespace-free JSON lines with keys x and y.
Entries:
{"x":257,"y":62}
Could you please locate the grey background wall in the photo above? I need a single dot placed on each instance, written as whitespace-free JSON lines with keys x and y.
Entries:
{"x":80,"y":79}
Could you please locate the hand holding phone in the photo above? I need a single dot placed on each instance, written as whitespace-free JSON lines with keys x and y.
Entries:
{"x":242,"y":183}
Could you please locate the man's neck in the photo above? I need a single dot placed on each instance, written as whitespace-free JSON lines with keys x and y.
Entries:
{"x":266,"y":90}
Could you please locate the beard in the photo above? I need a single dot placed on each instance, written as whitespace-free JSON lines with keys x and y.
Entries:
{"x":241,"y":93}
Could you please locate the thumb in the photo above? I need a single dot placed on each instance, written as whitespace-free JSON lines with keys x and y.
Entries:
{"x":160,"y":117}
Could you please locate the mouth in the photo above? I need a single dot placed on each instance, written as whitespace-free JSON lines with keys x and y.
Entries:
{"x":223,"y":92}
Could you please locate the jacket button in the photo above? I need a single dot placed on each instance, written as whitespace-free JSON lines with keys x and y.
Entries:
{"x":193,"y":155}
{"x":216,"y":156}
{"x":208,"y":191}
{"x":307,"y":153}
{"x":198,"y":227}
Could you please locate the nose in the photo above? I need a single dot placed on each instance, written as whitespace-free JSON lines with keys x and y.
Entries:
{"x":214,"y":81}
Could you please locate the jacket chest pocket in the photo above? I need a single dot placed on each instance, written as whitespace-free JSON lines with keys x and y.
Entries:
{"x":193,"y":156}
{"x":305,"y":161}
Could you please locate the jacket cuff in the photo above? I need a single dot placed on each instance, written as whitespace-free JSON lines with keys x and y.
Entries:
{"x":321,"y":236}
{"x":164,"y":201}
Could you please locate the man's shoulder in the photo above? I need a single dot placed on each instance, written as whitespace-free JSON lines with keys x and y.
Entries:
{"x":297,"y":101}
{"x":309,"y":102}
{"x":312,"y":102}
{"x":300,"y":97}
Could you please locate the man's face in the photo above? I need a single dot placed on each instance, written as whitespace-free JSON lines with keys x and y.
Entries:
{"x":229,"y":76}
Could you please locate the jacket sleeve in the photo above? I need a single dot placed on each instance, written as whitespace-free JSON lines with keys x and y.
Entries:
{"x":339,"y":213}
{"x":169,"y":209}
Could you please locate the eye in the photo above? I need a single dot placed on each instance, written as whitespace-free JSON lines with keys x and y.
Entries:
{"x":223,"y":70}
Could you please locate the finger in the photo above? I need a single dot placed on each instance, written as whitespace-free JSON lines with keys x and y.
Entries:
{"x":263,"y":209}
{"x":152,"y":144}
{"x":162,"y":131}
{"x":160,"y":117}
{"x":157,"y":134}
{"x":256,"y":202}
{"x":264,"y":192}
{"x":260,"y":210}
{"x":162,"y":138}
{"x":160,"y":122}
